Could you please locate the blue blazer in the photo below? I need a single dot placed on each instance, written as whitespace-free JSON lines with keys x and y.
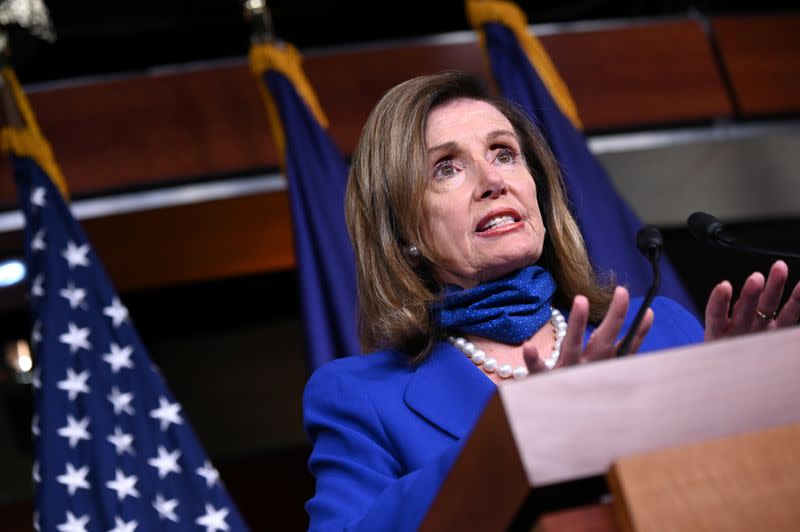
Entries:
{"x":386,"y":433}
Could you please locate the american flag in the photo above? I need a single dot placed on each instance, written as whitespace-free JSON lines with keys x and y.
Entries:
{"x":113,"y":448}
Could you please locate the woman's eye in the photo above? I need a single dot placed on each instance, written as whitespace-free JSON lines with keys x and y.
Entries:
{"x":444,"y":169}
{"x":505,"y":155}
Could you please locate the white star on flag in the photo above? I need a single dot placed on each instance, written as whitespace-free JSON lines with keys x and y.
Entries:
{"x":75,"y":430}
{"x":213,"y":519}
{"x":38,"y":196}
{"x":119,"y":357}
{"x":38,"y":244}
{"x":122,"y":441}
{"x":75,"y":383}
{"x":166,"y":412}
{"x":35,"y":425}
{"x":36,"y":335}
{"x":165,"y":462}
{"x":75,"y":296}
{"x":122,"y":526}
{"x":74,"y":478}
{"x":209,"y":473}
{"x":124,"y":486}
{"x":116,"y":311}
{"x":76,"y":338}
{"x":37,"y":290}
{"x":166,"y":508}
{"x":76,"y":255}
{"x":35,"y":473}
{"x":74,"y":524}
{"x":121,"y":401}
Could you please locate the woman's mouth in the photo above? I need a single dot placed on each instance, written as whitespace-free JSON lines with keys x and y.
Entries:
{"x":498,"y":222}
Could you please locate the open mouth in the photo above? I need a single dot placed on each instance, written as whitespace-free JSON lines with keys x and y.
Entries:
{"x":497,"y":220}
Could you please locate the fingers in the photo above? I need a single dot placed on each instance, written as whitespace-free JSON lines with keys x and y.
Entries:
{"x":744,"y":310}
{"x":531,"y":357}
{"x":601,"y":342}
{"x":716,"y":317}
{"x":641,"y":332}
{"x":572,"y":344}
{"x":790,"y":312}
{"x":770,"y":297}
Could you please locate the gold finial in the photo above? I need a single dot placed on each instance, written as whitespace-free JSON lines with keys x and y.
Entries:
{"x":257,"y":12}
{"x":30,"y":14}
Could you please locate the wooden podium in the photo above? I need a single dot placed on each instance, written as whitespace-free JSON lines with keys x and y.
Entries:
{"x":705,"y":437}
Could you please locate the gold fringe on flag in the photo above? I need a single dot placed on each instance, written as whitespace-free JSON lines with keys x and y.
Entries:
{"x":28,"y":140}
{"x":509,"y":14}
{"x":283,"y":58}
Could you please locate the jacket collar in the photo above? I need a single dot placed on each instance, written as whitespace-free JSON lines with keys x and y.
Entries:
{"x":448,"y":390}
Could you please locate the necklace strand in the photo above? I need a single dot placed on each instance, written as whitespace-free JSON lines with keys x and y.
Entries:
{"x":491,"y":365}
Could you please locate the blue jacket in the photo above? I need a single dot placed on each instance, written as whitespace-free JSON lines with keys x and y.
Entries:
{"x":386,"y":433}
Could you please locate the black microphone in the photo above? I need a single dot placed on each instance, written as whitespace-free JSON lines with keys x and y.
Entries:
{"x":706,"y":228}
{"x":650,"y":244}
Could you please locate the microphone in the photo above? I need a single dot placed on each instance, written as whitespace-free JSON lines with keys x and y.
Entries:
{"x":650,"y":244}
{"x":708,"y":229}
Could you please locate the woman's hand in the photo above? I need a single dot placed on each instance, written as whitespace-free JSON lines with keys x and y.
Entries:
{"x":757,"y":306}
{"x":603,"y":341}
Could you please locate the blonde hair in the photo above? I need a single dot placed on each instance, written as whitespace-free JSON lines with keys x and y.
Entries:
{"x":386,"y":187}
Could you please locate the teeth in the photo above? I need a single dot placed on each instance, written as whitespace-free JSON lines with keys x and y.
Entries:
{"x":498,"y":222}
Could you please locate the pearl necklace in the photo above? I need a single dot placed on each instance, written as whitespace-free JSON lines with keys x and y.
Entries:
{"x":490,"y":364}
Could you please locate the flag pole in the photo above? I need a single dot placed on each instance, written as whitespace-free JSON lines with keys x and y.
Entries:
{"x":21,"y":135}
{"x":13,"y":116}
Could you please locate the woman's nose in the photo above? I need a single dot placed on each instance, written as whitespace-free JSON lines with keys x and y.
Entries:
{"x":491,"y":184}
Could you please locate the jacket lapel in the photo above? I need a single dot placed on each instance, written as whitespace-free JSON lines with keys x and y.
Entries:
{"x":449,"y":391}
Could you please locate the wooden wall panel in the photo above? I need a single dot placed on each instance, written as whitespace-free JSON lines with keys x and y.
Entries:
{"x":139,"y":131}
{"x":762,"y":57}
{"x":349,"y":84}
{"x":148,"y":129}
{"x":211,"y":240}
{"x":641,"y":76}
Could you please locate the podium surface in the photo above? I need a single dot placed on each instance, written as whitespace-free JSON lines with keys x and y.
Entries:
{"x":576,"y":423}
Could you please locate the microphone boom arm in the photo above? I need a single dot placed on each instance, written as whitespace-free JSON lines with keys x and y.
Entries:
{"x":650,"y":243}
{"x":625,"y":345}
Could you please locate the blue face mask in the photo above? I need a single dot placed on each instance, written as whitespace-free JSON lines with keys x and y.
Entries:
{"x":510,"y":309}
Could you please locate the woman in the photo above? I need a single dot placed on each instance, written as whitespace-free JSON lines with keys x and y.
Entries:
{"x":468,"y":257}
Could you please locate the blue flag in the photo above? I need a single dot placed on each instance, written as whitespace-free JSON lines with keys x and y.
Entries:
{"x":608,"y":224}
{"x":113,"y":448}
{"x":317,"y":174}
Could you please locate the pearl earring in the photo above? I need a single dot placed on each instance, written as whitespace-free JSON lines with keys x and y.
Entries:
{"x":413,"y":251}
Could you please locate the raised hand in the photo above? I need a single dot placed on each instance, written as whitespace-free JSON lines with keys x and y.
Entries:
{"x":757,"y":307}
{"x":602,"y":342}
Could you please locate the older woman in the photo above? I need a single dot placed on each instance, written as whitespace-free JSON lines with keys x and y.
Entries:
{"x":468,"y":261}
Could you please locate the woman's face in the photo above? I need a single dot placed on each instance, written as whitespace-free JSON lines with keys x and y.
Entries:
{"x":481,"y":218}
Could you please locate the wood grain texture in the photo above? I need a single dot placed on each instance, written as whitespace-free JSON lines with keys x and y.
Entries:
{"x":734,"y":484}
{"x":654,"y":74}
{"x":196,"y":242}
{"x":155,"y":128}
{"x":574,"y":423}
{"x":149,"y":129}
{"x":761,"y":55}
{"x":211,"y":240}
